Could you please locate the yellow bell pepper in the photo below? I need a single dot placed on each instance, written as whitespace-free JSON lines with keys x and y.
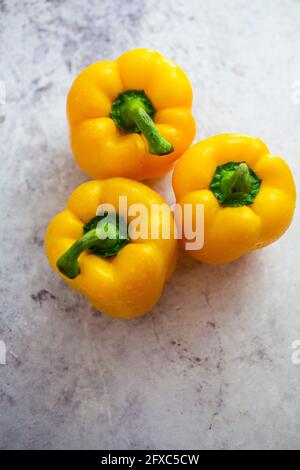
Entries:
{"x":124,"y":113}
{"x":121,"y":277}
{"x":248,"y":195}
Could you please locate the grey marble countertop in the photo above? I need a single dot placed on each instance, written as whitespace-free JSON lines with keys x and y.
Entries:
{"x":211,"y":366}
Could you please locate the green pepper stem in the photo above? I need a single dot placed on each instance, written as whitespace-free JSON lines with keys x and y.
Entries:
{"x":102,"y":237}
{"x":235,"y":184}
{"x":68,"y":262}
{"x":158,"y":145}
{"x":239,"y":182}
{"x":132,"y":111}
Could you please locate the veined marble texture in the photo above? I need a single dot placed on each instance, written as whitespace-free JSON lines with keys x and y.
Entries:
{"x":210,"y":367}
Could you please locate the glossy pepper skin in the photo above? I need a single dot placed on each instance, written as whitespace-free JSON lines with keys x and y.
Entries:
{"x":239,"y":224}
{"x":96,"y":106}
{"x":130,"y":283}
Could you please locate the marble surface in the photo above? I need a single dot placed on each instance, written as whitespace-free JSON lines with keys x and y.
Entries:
{"x":211,"y":366}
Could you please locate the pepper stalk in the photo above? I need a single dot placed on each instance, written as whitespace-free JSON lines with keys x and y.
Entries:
{"x":101,"y":237}
{"x":132,"y":111}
